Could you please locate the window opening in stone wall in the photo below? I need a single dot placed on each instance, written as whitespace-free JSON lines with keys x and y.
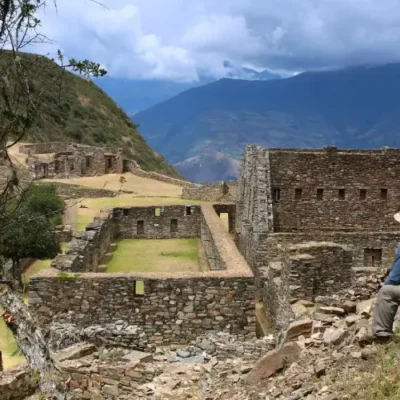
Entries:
{"x":139,"y":288}
{"x":125,"y":166}
{"x":363,"y":194}
{"x":126,"y":212}
{"x":384,"y":194}
{"x":157,"y":212}
{"x":56,"y":166}
{"x":342,"y":194}
{"x":298,"y":193}
{"x":140,"y":227}
{"x":320,"y":194}
{"x":88,"y":162}
{"x":188,"y":210}
{"x":174,"y":225}
{"x":72,"y":167}
{"x":108,"y":163}
{"x":372,"y":257}
{"x":276,"y":194}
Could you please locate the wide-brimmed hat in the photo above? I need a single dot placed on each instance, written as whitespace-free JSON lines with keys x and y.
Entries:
{"x":397,"y":216}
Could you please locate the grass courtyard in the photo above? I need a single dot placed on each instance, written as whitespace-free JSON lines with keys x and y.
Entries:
{"x":158,"y":255}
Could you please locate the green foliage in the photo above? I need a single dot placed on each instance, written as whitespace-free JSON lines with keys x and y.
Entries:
{"x":66,"y":277}
{"x":31,"y":235}
{"x":43,"y":199}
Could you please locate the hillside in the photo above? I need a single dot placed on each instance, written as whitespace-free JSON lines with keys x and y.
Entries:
{"x":74,"y":109}
{"x":354,"y":107}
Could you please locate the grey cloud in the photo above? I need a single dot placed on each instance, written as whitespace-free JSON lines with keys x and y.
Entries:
{"x":175,"y":39}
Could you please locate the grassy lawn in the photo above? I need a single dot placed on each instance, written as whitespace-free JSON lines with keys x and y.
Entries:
{"x":159,"y":255}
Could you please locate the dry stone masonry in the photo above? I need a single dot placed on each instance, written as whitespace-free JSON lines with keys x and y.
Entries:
{"x":175,"y":307}
{"x":225,"y":192}
{"x":326,"y":214}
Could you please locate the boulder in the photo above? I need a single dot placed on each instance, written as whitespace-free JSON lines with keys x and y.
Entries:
{"x":349,"y":306}
{"x":137,"y":356}
{"x":76,"y":351}
{"x":302,"y":327}
{"x":334,"y":336}
{"x":365,"y":308}
{"x":331,"y":310}
{"x":273,"y":361}
{"x":299,"y":310}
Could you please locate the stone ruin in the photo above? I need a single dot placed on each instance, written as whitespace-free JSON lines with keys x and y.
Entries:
{"x":310,"y":230}
{"x":316,"y":222}
{"x":63,"y":160}
{"x":225,"y":192}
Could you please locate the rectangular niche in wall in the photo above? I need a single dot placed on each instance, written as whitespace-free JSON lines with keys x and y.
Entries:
{"x":276,"y":194}
{"x":363,"y":194}
{"x":174,"y":225}
{"x":140,"y":227}
{"x":188,"y":210}
{"x":384,"y":194}
{"x":298,"y":194}
{"x":372,"y":257}
{"x":320,"y":194}
{"x":342,"y":194}
{"x":139,"y":288}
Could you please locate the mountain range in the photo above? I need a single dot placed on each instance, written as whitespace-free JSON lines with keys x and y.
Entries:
{"x":203,"y":130}
{"x":137,"y":95}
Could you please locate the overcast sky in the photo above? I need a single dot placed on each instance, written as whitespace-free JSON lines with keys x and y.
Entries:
{"x":177,"y":39}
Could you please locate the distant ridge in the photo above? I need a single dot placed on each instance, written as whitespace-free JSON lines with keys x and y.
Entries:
{"x":355,"y":107}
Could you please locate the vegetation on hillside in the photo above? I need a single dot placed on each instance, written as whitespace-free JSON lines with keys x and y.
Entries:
{"x":79,"y":111}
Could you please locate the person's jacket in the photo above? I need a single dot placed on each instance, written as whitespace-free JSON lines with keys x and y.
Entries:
{"x":394,"y":274}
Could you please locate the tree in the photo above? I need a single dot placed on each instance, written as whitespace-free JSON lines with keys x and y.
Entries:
{"x":20,"y":107}
{"x":43,"y":199}
{"x":31,"y":236}
{"x":122,"y":180}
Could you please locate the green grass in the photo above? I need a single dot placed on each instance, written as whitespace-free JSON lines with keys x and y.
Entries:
{"x":8,"y":347}
{"x":159,"y":255}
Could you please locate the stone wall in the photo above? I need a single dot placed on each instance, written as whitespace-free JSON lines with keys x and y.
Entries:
{"x":163,"y":222}
{"x":162,"y":178}
{"x":69,"y":191}
{"x":335,"y":189}
{"x":319,"y":269}
{"x":87,"y":250}
{"x":225,"y":192}
{"x":17,"y":383}
{"x":107,"y":380}
{"x":360,"y":243}
{"x":171,"y":311}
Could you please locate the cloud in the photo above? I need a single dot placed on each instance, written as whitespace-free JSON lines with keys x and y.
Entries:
{"x":176,"y":40}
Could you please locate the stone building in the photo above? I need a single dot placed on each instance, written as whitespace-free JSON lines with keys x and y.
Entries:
{"x":48,"y":160}
{"x":327,"y":212}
